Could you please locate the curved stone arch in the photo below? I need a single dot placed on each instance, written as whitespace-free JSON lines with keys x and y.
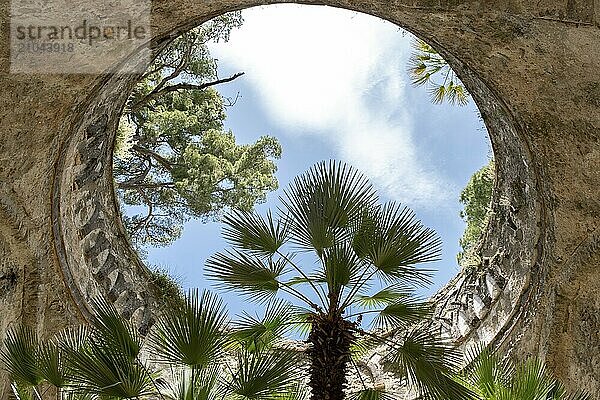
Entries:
{"x":509,"y":54}
{"x":90,"y":236}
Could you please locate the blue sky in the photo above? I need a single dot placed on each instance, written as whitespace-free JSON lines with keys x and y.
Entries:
{"x":331,"y":83}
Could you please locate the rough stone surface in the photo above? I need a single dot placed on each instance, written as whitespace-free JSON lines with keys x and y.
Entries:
{"x":533,"y":69}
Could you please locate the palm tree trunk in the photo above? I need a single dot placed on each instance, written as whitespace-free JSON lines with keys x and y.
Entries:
{"x":329,"y":356}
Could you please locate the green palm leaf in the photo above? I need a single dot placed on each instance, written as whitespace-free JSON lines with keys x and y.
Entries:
{"x":372,"y":394}
{"x":383,"y":297}
{"x":106,"y":371}
{"x":486,"y":373}
{"x":23,"y":392}
{"x":393,"y":240}
{"x":364,"y":345}
{"x":264,"y":375}
{"x":193,"y":334}
{"x":52,"y":364}
{"x":299,"y":280}
{"x":103,"y":360}
{"x":438,"y":93}
{"x":341,"y":267}
{"x":495,"y":378}
{"x":428,"y":364}
{"x":296,"y":392}
{"x":73,"y":395}
{"x":302,"y":320}
{"x":322,"y":202}
{"x":198,"y":384}
{"x":402,"y":313}
{"x":73,"y":338}
{"x":424,"y":64}
{"x":115,"y":331}
{"x":249,"y":274}
{"x":19,"y":356}
{"x":249,"y":231}
{"x":531,"y":381}
{"x":256,"y":333}
{"x":457,"y":94}
{"x":579,"y":395}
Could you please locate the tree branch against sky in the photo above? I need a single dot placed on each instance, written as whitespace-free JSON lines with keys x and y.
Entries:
{"x":174,"y":160}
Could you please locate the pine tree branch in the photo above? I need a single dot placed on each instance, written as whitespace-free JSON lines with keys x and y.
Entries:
{"x":160,"y":159}
{"x":182,"y":86}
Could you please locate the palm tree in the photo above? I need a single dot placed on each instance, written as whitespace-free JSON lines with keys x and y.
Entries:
{"x":364,"y":256}
{"x":190,"y":354}
{"x":425,"y":64}
{"x":491,"y":377}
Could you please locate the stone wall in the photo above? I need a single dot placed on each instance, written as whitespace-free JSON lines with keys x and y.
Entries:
{"x":533,"y":69}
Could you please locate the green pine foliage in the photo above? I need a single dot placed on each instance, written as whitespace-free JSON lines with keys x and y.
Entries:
{"x":173,"y":158}
{"x":169,"y":289}
{"x":476,"y":198}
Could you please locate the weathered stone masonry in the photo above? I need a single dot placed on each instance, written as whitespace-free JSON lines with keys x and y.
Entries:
{"x":534,"y":71}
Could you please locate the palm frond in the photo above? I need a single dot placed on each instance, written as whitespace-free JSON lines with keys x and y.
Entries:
{"x":372,"y":394}
{"x":299,"y":280}
{"x":383,"y":297}
{"x":22,"y":392}
{"x":250,"y":231}
{"x":52,"y":364}
{"x":393,"y":240}
{"x":363,"y":345}
{"x":428,"y":364}
{"x":107,"y":371}
{"x":102,"y":361}
{"x":341,"y":267}
{"x":579,"y":395}
{"x":425,"y":63}
{"x":19,"y":356}
{"x":72,"y":395}
{"x":296,"y":392}
{"x":198,"y":384}
{"x":402,"y":313}
{"x":457,"y":94}
{"x":438,"y":93}
{"x":531,"y":381}
{"x":486,"y":372}
{"x":73,"y":338}
{"x":193,"y":334}
{"x":302,"y":320}
{"x":495,"y":377}
{"x":256,"y":333}
{"x":248,"y":274}
{"x":114,"y":330}
{"x":263,"y":375}
{"x":321,"y":203}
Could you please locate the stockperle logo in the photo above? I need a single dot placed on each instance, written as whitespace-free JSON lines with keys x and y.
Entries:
{"x":58,"y":36}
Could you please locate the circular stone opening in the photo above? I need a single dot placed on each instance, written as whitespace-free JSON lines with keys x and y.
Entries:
{"x":97,"y":259}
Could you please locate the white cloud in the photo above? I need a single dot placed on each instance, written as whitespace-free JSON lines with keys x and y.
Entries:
{"x":340,"y":75}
